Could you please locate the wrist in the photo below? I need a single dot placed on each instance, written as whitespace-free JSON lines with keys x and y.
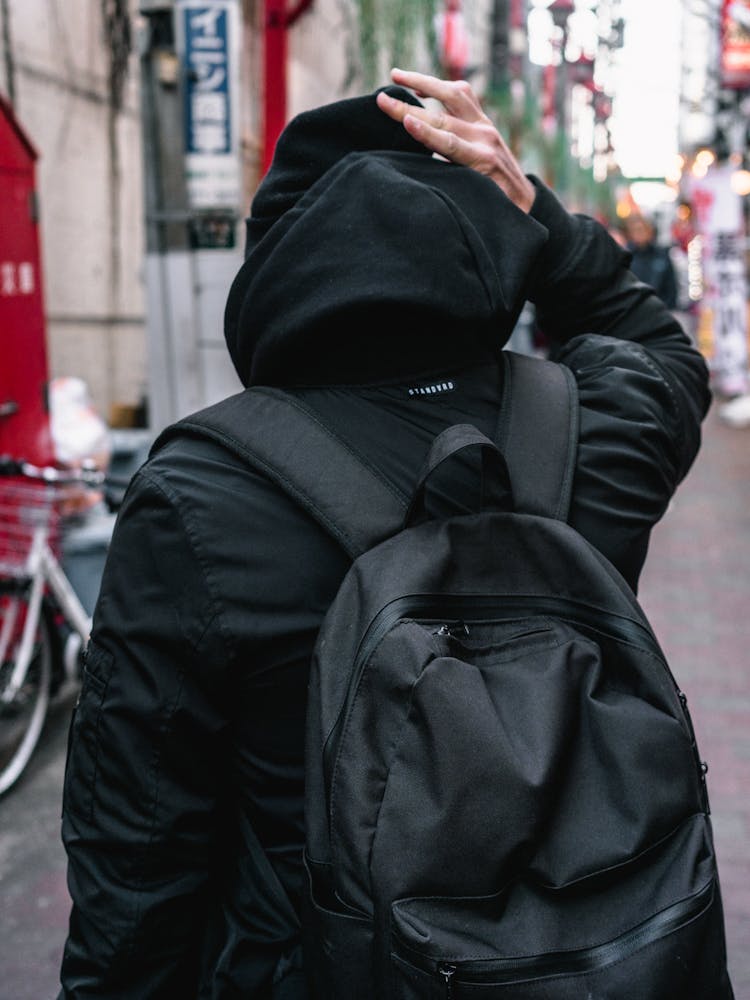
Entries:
{"x":509,"y":177}
{"x":524,"y":194}
{"x":563,"y":231}
{"x":559,"y":223}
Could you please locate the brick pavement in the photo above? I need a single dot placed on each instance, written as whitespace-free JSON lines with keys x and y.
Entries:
{"x":696,"y":592}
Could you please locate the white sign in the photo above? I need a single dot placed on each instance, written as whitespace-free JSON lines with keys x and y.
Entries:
{"x":208,"y":37}
{"x":719,"y":212}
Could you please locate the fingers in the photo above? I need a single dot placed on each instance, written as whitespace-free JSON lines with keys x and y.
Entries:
{"x":446,"y":143}
{"x":437,"y":119}
{"x":461,"y":133}
{"x":395,"y":109}
{"x":457,"y":96}
{"x":473,"y":144}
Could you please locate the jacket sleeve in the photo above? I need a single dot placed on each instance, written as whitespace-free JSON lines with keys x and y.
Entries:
{"x":643,"y":387}
{"x":583,"y":286}
{"x":143,"y":779}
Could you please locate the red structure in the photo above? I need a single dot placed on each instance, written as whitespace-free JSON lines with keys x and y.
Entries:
{"x":454,"y":41}
{"x":24,"y":423}
{"x":278,"y":20}
{"x":735,"y":44}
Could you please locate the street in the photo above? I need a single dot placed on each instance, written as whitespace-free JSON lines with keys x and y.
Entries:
{"x":696,"y":591}
{"x":34,"y":901}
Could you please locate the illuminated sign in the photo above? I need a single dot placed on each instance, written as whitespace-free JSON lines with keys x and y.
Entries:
{"x":735,"y":44}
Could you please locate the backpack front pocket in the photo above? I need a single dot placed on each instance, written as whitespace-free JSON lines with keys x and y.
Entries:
{"x":533,"y":753}
{"x":663,"y":957}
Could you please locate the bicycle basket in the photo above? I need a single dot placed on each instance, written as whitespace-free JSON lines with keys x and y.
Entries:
{"x":25,"y":507}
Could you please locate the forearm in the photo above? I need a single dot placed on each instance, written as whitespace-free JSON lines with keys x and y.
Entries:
{"x":582,"y":283}
{"x":143,"y":779}
{"x":130,"y":938}
{"x":583,"y":286}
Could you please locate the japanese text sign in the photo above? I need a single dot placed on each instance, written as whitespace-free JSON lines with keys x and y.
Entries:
{"x":209,"y":31}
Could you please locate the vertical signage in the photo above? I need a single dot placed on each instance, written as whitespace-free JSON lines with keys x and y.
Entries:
{"x":735,"y":44}
{"x":208,"y":31}
{"x":719,"y":212}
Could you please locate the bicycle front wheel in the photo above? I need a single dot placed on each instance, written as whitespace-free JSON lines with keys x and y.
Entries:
{"x":22,"y":714}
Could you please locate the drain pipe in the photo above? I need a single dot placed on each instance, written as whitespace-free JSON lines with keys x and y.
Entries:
{"x":278,"y":21}
{"x":10,"y":64}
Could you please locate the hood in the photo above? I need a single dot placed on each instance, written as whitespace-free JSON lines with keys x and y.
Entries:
{"x":368,"y":259}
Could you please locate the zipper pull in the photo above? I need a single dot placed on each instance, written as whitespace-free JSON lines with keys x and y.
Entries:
{"x":701,"y":764}
{"x":448,"y":971}
{"x":459,"y":629}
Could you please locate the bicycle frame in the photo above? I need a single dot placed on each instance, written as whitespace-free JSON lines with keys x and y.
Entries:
{"x":33,"y":583}
{"x":42,"y":570}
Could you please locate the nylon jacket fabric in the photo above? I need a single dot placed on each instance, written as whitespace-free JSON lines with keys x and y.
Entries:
{"x":190,"y":724}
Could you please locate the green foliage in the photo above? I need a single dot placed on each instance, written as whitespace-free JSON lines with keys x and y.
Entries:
{"x":394,"y":33}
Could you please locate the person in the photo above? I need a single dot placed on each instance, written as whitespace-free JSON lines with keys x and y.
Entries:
{"x":379,"y":282}
{"x":650,"y":262}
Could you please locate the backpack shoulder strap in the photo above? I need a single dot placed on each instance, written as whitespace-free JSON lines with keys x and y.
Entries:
{"x":277,"y":434}
{"x":538,"y":433}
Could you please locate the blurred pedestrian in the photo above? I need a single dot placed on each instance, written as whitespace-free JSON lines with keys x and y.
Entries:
{"x":378,"y":286}
{"x":651,"y":262}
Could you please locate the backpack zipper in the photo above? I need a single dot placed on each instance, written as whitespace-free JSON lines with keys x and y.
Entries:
{"x":702,"y":765}
{"x":460,"y":629}
{"x":477,"y":610}
{"x":508,"y":970}
{"x":448,"y":971}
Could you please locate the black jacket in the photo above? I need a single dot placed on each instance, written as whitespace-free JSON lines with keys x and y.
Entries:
{"x":190,"y":724}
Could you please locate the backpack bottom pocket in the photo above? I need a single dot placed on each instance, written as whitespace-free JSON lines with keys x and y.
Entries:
{"x":679,"y":952}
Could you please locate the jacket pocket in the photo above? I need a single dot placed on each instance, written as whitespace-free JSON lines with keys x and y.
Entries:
{"x":677,"y":952}
{"x":337,"y":944}
{"x":84,"y":738}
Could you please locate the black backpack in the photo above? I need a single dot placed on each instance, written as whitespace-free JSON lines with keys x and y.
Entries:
{"x":504,"y":798}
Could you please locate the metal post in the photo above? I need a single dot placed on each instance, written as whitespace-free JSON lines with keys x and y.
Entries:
{"x":167,"y":237}
{"x":192,"y":201}
{"x":561,"y":11}
{"x":499,"y":47}
{"x":8,"y":58}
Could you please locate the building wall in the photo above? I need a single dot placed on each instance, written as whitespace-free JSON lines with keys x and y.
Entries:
{"x":327,"y":28}
{"x":89,"y":190}
{"x":325,"y":61}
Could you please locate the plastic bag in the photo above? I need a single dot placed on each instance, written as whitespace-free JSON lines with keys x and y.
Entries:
{"x":78,"y":435}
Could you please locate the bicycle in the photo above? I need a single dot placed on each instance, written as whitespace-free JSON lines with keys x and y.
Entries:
{"x":37,"y":605}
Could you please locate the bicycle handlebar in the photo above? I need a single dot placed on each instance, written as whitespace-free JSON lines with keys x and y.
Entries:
{"x":86,"y":475}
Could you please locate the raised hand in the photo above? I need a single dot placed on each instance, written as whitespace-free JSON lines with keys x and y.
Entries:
{"x":462,"y":132}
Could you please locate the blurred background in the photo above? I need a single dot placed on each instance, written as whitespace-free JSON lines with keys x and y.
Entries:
{"x":133,"y":134}
{"x":150,"y":124}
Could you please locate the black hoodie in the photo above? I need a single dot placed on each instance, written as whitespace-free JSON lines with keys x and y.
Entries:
{"x":364,"y":256}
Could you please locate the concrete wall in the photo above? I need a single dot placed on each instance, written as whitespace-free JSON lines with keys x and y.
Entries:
{"x":89,"y":178}
{"x":324,"y":52}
